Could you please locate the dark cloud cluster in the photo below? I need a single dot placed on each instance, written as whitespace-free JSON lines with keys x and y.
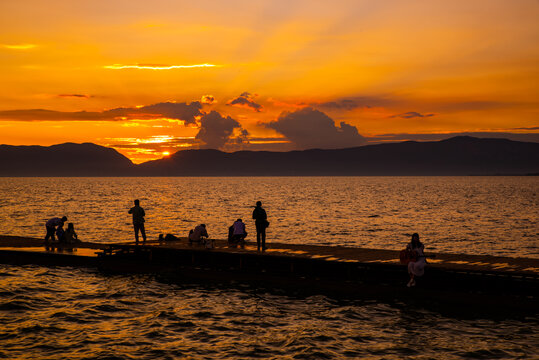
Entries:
{"x":216,"y":130}
{"x":310,"y":128}
{"x":246,"y":100}
{"x":411,"y":115}
{"x":179,"y":111}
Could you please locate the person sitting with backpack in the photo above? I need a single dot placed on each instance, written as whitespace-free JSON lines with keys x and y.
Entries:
{"x":198,"y":234}
{"x":237,"y":234}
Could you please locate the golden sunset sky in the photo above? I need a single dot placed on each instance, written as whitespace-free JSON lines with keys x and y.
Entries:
{"x":150,"y":77}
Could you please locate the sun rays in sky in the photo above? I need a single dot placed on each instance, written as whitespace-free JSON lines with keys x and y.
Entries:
{"x":266,"y":75}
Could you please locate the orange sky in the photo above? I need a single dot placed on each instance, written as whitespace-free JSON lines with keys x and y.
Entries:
{"x":278,"y":75}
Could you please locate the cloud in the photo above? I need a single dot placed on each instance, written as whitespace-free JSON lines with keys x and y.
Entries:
{"x":411,"y":115}
{"x":76,"y":96}
{"x":344,"y":104}
{"x":526,"y":128}
{"x":310,"y":128}
{"x":208,"y":99}
{"x":180,"y":111}
{"x":156,"y":142}
{"x":216,"y":130}
{"x":157,"y":66}
{"x":19,"y":46}
{"x":530,"y":137}
{"x":245,"y":100}
{"x":358,"y":102}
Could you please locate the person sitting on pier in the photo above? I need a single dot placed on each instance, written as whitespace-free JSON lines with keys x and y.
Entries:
{"x":60,"y":233}
{"x":416,"y":266}
{"x":198,"y":234}
{"x":168,"y":237}
{"x":70,"y":236}
{"x":239,"y":234}
{"x":51,"y":227}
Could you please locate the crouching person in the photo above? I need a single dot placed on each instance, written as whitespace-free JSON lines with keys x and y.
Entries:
{"x":198,"y":234}
{"x":239,"y":234}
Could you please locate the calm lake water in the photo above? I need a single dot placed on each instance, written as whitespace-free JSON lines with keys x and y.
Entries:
{"x":53,"y":313}
{"x":474,"y":215}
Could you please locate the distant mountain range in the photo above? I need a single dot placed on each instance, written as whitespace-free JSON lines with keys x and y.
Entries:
{"x":67,"y":159}
{"x":455,"y":156}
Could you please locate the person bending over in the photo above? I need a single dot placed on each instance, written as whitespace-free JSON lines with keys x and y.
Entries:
{"x":51,"y":225}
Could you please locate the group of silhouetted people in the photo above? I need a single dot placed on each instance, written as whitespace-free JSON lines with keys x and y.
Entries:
{"x":55,"y":228}
{"x":199,"y":235}
{"x":413,"y":255}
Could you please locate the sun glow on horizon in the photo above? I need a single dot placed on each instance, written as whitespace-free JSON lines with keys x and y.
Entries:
{"x":158,"y":67}
{"x":19,"y":46}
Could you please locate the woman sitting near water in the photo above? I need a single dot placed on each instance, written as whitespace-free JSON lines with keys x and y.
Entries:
{"x":70,"y":236}
{"x":416,"y":266}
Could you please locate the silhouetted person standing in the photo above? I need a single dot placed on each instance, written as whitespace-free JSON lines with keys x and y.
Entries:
{"x":138,"y":221}
{"x":261,"y":223}
{"x":51,"y":225}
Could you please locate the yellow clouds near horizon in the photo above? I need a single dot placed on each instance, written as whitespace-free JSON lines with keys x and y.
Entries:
{"x":158,"y":67}
{"x":18,"y":46}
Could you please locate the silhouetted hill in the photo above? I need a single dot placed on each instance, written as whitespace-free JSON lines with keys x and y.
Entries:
{"x":63,"y":160}
{"x":456,"y":156}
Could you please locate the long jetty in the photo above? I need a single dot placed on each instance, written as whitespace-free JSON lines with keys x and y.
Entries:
{"x":455,"y":281}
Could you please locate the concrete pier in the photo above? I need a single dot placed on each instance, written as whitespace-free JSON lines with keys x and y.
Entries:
{"x":478,"y":281}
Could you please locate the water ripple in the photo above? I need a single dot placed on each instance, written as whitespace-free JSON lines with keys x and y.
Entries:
{"x":482,"y":215}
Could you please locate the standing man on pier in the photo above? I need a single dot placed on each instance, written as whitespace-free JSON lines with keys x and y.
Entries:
{"x":138,"y":221}
{"x":261,"y":223}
